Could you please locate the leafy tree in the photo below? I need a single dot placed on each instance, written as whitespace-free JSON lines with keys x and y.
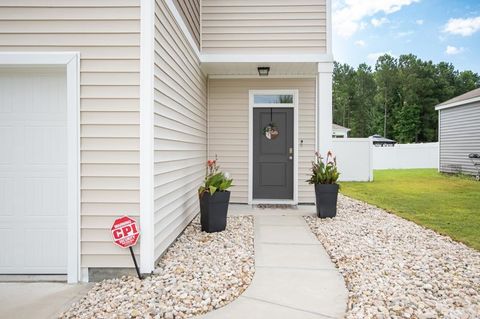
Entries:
{"x":397,"y":99}
{"x":343,"y":91}
{"x":466,"y":81}
{"x":363,"y":102}
{"x":386,"y":77}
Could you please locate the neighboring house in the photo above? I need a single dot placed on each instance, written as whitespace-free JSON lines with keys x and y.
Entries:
{"x":459,"y":132}
{"x":340,"y":131}
{"x":380,"y":141}
{"x":112,"y":107}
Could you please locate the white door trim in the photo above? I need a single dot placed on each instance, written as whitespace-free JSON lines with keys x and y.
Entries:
{"x":71,"y":62}
{"x":253,"y":105}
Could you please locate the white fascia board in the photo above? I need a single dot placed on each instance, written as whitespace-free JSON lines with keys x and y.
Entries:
{"x":265,"y":58}
{"x":459,"y":103}
{"x":183,"y":26}
{"x":325,"y":67}
{"x":36,"y":58}
{"x":252,"y":76}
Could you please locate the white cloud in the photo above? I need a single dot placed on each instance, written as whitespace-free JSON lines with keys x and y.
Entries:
{"x":360,"y":43}
{"x":463,"y":27}
{"x":378,"y":22}
{"x":404,"y":34}
{"x":373,"y":57}
{"x":348,"y":15}
{"x":420,"y":22}
{"x":451,"y":50}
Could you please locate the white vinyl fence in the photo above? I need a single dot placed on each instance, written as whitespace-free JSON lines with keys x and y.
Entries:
{"x":403,"y":156}
{"x":354,"y":158}
{"x":357,"y":157}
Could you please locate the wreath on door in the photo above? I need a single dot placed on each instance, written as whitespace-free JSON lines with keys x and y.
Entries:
{"x":271,"y":130}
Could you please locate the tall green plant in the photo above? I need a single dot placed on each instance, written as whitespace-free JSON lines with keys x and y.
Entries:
{"x":215,"y":180}
{"x":324,"y":172}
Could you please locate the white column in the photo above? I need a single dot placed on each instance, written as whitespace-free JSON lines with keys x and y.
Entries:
{"x":324,"y":107}
{"x":147,"y":231}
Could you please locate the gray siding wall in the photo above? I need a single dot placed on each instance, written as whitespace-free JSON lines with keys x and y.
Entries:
{"x":459,"y":136}
{"x":190,"y":12}
{"x":180,"y":129}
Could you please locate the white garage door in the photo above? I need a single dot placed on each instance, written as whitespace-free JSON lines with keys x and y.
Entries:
{"x":33,"y":171}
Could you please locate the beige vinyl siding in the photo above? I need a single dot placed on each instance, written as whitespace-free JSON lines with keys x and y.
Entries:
{"x":180,"y":129}
{"x":264,"y":26}
{"x":228,"y":128}
{"x":107,"y":35}
{"x":459,"y":136}
{"x":190,"y":12}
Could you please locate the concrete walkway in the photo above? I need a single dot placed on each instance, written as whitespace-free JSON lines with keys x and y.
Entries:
{"x":39,"y":300}
{"x":294,"y":276}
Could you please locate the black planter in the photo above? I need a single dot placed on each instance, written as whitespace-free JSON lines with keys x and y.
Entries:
{"x":326,"y":197}
{"x":213,"y":211}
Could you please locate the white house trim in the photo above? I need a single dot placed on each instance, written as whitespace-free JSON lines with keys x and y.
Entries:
{"x":253,"y":105}
{"x":265,"y":58}
{"x":147,"y":244}
{"x":245,"y":76}
{"x":324,"y":117}
{"x":316,"y":114}
{"x":464,"y":102}
{"x":71,"y":61}
{"x":183,"y":26}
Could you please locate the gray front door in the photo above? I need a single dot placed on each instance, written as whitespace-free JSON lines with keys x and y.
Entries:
{"x":273,"y":158}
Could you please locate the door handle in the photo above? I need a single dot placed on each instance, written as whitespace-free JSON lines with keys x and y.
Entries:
{"x":290,"y":157}
{"x":290,"y":150}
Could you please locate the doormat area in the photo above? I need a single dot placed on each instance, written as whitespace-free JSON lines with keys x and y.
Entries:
{"x":276,"y":206}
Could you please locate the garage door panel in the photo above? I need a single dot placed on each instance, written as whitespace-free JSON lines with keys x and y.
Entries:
{"x":45,"y":196}
{"x":53,"y":103}
{"x":39,"y":148}
{"x":10,"y":93}
{"x":41,"y":249}
{"x":33,"y":171}
{"x":6,"y":194}
{"x":6,"y":143}
{"x":7,"y":256}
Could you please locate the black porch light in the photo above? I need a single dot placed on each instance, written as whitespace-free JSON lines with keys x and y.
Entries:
{"x":263,"y":70}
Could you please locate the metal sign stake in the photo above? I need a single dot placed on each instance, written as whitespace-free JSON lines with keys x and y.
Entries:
{"x":135,"y":262}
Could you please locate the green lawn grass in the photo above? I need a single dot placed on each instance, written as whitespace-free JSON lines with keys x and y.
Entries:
{"x":447,"y":204}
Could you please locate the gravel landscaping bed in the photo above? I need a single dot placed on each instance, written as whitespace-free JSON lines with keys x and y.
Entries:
{"x":394,"y":268}
{"x":199,"y":272}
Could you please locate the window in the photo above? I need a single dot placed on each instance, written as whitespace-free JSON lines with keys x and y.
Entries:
{"x":273,"y":98}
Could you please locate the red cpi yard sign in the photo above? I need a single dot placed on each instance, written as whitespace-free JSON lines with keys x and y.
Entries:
{"x":125,"y":232}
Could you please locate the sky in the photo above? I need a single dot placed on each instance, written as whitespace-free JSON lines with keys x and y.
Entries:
{"x":437,"y":30}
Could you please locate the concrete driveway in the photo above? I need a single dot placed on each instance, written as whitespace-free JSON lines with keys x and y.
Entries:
{"x":39,"y":300}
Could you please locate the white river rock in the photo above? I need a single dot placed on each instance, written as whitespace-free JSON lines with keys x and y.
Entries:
{"x":198,"y":273}
{"x":394,"y":268}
